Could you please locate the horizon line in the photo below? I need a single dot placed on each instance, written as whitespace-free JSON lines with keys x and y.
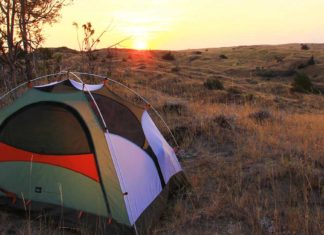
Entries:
{"x":187,"y":49}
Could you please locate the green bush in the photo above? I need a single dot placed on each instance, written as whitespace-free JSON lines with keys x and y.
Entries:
{"x":302,"y":83}
{"x":214,"y":84}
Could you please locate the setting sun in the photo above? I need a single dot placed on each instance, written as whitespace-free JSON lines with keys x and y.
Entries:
{"x":140,"y":45}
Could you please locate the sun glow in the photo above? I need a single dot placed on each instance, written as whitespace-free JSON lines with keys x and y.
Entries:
{"x":166,"y":24}
{"x":140,"y":45}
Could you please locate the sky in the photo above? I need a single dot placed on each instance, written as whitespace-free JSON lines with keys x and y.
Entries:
{"x":190,"y":24}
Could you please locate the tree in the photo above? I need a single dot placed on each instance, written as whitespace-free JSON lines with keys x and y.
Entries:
{"x":8,"y":47}
{"x":88,"y":44}
{"x":21,"y":23}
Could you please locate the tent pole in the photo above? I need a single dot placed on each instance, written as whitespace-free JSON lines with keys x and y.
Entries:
{"x":136,"y":93}
{"x":102,"y":77}
{"x":33,"y":80}
{"x":135,"y":228}
{"x":107,"y":131}
{"x":94,"y":101}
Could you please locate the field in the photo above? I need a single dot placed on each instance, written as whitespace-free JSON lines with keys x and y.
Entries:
{"x":251,"y":147}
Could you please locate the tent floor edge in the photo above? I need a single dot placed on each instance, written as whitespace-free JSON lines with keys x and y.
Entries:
{"x":148,"y":220}
{"x":58,"y":218}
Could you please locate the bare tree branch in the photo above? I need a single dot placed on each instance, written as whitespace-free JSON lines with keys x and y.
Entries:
{"x":21,"y":23}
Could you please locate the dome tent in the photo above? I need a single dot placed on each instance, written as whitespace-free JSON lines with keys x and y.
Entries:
{"x":82,"y":149}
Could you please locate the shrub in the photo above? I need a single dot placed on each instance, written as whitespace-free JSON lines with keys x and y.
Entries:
{"x":234,"y":91}
{"x":58,"y":57}
{"x":224,"y":57}
{"x":45,"y":53}
{"x":311,"y":61}
{"x":175,"y":69}
{"x":168,"y":56}
{"x":270,"y":73}
{"x":194,"y":57}
{"x":224,"y":122}
{"x":304,"y":47}
{"x":182,"y":134}
{"x":176,"y":107}
{"x":279,"y":58}
{"x":197,"y":52}
{"x":261,"y":116}
{"x":302,"y":83}
{"x":214,"y":84}
{"x":249,"y":97}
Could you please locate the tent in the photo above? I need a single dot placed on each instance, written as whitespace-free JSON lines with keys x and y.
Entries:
{"x":82,"y":152}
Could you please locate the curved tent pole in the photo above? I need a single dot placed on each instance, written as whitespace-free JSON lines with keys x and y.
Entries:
{"x":136,"y":93}
{"x":12,"y":90}
{"x":101,"y":116}
{"x":33,"y":80}
{"x":102,"y":77}
{"x":106,"y":129}
{"x":89,"y":92}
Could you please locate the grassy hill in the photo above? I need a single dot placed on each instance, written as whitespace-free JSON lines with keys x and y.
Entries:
{"x":251,"y":146}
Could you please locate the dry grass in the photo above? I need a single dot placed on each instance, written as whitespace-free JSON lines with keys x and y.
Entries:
{"x":253,"y":152}
{"x":254,"y":178}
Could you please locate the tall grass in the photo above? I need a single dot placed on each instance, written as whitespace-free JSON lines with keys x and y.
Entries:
{"x":263,"y":178}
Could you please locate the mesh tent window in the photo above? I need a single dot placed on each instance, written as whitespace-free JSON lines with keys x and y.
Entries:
{"x":46,"y":128}
{"x":119,"y":119}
